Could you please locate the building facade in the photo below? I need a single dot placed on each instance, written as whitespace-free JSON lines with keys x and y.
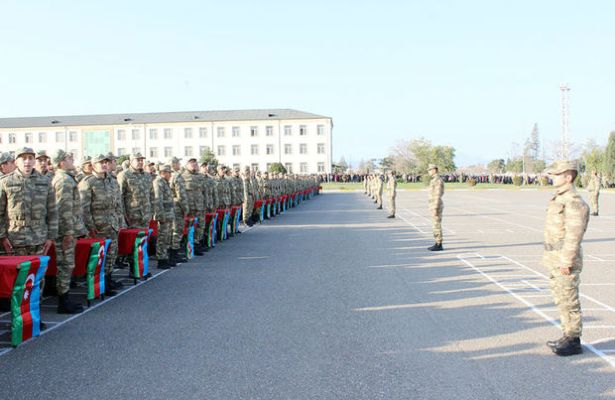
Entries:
{"x":301,"y":141}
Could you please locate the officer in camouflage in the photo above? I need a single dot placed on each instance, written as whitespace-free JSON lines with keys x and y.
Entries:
{"x":180,"y":209}
{"x":593,"y":188}
{"x":248,"y":197}
{"x":436,"y":206}
{"x":566,"y":223}
{"x":195,"y":189}
{"x":70,"y":227}
{"x":86,"y":168}
{"x":42,"y":164}
{"x":137,"y":193}
{"x":391,"y":193}
{"x":165,"y":215}
{"x":98,"y":201}
{"x":7,"y":164}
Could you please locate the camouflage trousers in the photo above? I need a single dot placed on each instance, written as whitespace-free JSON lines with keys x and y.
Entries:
{"x":379,"y":199}
{"x":199,"y":231}
{"x":65,"y":261}
{"x":593,"y":200}
{"x":37,"y":250}
{"x":248,"y":207}
{"x":437,"y":226}
{"x":110,"y":233}
{"x":391,"y":203}
{"x":163,"y":242}
{"x":565,"y":292}
{"x":178,"y":230}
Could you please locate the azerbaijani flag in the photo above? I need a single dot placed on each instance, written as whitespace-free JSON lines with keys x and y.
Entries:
{"x":25,"y":300}
{"x":189,"y":226}
{"x":95,"y":274}
{"x":139,"y":255}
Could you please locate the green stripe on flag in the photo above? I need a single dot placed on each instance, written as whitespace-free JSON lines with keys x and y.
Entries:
{"x":91,"y":269}
{"x":16,"y":300}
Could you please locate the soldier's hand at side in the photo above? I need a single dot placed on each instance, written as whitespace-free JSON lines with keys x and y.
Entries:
{"x":6,"y":244}
{"x":67,"y":242}
{"x":565,"y":270}
{"x":47,"y":246}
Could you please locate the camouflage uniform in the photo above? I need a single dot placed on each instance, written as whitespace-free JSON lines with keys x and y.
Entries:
{"x":594,"y":191}
{"x":391,"y":193}
{"x":70,"y":220}
{"x":180,"y":209}
{"x":379,"y":190}
{"x":195,"y":189}
{"x":248,"y":196}
{"x":436,"y":206}
{"x":137,"y":196}
{"x":566,"y":223}
{"x":165,"y":215}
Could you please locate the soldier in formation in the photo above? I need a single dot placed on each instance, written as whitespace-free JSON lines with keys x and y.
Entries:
{"x":436,"y":206}
{"x":180,"y":210}
{"x":164,"y":216}
{"x":593,"y":188}
{"x":137,"y":193}
{"x":391,"y":193}
{"x":7,"y":164}
{"x":565,"y":225}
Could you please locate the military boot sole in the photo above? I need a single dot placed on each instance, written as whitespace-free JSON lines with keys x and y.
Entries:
{"x":568,"y":351}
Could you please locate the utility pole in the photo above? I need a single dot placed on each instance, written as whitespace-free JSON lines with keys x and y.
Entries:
{"x":565,"y":128}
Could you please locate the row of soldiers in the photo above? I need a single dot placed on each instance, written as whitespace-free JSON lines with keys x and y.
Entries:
{"x":373,"y":186}
{"x":45,"y":201}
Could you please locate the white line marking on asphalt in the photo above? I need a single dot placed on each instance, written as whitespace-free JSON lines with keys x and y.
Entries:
{"x":384,"y":308}
{"x":595,"y":258}
{"x":253,"y":258}
{"x":532,"y":285}
{"x":389,"y":266}
{"x":598,"y":326}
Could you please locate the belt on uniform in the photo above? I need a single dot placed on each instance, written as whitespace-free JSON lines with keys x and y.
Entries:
{"x":554,"y":247}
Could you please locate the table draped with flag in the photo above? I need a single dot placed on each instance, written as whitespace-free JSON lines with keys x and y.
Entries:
{"x":132,"y":242}
{"x":20,"y":279}
{"x":211,"y":227}
{"x":259,"y":205}
{"x":223,"y":218}
{"x":188,"y":233}
{"x":235,"y":218}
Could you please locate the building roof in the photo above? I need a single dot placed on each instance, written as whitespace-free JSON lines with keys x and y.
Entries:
{"x":163,"y":117}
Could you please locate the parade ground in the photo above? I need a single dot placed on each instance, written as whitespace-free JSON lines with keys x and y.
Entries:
{"x":332,"y":300}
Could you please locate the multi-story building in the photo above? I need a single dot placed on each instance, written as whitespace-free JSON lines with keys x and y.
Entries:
{"x":299,"y":140}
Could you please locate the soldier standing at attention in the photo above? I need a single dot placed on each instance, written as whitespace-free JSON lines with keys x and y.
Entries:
{"x":7,"y":164}
{"x":98,"y":201}
{"x":70,"y":227}
{"x":86,"y":168}
{"x":566,"y":223}
{"x":391,"y":193}
{"x":195,"y":184}
{"x":594,"y":191}
{"x":165,"y":214}
{"x":42,"y":164}
{"x":180,"y":209}
{"x":379,"y":190}
{"x":248,"y":197}
{"x":137,"y":193}
{"x":436,"y":206}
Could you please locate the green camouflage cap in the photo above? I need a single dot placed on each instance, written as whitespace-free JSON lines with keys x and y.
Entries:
{"x":136,"y":156}
{"x":111,"y":156}
{"x":6,"y":157}
{"x":86,"y":160}
{"x":561,"y":166}
{"x":60,"y":155}
{"x":165,"y":168}
{"x":99,"y":158}
{"x":24,"y":150}
{"x":432,"y":166}
{"x":41,"y":154}
{"x":174,"y":160}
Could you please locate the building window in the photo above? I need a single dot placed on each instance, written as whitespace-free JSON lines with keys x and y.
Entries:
{"x":202,"y":132}
{"x":321,"y":167}
{"x":302,"y":130}
{"x":42,"y":137}
{"x":153,"y":152}
{"x":320,"y":148}
{"x":235,"y":132}
{"x":72,"y":136}
{"x":11,"y":138}
{"x":236,"y":150}
{"x":320,"y":130}
{"x":203,"y":150}
{"x":288,"y":149}
{"x":136,"y":134}
{"x":188,"y":151}
{"x":121,"y":151}
{"x":287,"y":130}
{"x":269,"y":149}
{"x":254,"y":166}
{"x":121,"y":134}
{"x":303,"y":148}
{"x":168,"y":151}
{"x":187,"y":133}
{"x":221,"y":150}
{"x":59,"y":137}
{"x":220,"y":131}
{"x":303,"y":168}
{"x":28,"y":137}
{"x":254,"y":131}
{"x":269,"y":131}
{"x":168,"y":133}
{"x":153,"y":134}
{"x":289,"y":167}
{"x":136,"y":150}
{"x":254,"y":149}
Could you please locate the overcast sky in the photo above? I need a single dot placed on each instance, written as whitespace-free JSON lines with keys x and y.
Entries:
{"x":472,"y":74}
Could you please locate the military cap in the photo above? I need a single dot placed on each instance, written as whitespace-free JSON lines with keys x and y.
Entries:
{"x":41,"y":154}
{"x":174,"y":160}
{"x":86,"y":160}
{"x":165,"y":168}
{"x":151,"y":163}
{"x":191,"y":159}
{"x":6,"y":157}
{"x":99,"y":158}
{"x":136,"y":156}
{"x":111,"y":156}
{"x":246,"y":168}
{"x":432,"y":166}
{"x":561,"y":166}
{"x":24,"y":150}
{"x":60,"y":155}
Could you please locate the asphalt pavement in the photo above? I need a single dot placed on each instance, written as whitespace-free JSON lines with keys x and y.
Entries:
{"x":332,"y":300}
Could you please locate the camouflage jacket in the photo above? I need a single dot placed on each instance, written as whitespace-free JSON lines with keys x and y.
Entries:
{"x":119,"y":203}
{"x":98,"y":201}
{"x":180,"y":197}
{"x":211,"y":194}
{"x":68,"y":201}
{"x":436,"y":191}
{"x":137,"y":196}
{"x":391,"y":187}
{"x":165,"y":210}
{"x":195,"y":189}
{"x":28,"y":212}
{"x":566,"y":223}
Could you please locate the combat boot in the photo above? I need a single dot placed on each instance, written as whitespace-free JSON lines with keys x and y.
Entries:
{"x":163,"y":264}
{"x":391,"y":216}
{"x":198,"y":250}
{"x":108,"y":291}
{"x":379,"y":208}
{"x":436,"y":247}
{"x":65,"y":306}
{"x":554,"y":343}
{"x":170,"y":259}
{"x":569,"y":347}
{"x":110,"y":283}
